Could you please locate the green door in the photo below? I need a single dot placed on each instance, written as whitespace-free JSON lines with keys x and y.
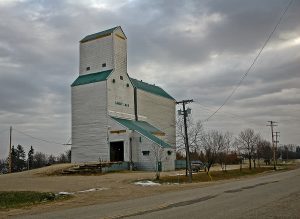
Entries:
{"x":159,"y":166}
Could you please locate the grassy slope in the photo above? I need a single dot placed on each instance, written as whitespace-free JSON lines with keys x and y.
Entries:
{"x":215,"y":175}
{"x":14,"y":199}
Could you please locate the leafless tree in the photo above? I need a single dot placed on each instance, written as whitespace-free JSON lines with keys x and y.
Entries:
{"x":227,"y":145}
{"x":264,"y":151}
{"x":156,"y":155}
{"x":195,"y":131}
{"x":213,"y":143}
{"x":247,"y":141}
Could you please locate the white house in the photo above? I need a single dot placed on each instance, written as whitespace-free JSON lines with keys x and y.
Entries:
{"x":115,"y":117}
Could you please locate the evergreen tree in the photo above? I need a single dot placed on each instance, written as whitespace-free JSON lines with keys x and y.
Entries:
{"x":69,"y":155}
{"x":20,"y":162}
{"x":30,"y":158}
{"x":13,"y":159}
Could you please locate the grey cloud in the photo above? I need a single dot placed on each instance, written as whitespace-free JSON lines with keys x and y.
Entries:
{"x":39,"y":58}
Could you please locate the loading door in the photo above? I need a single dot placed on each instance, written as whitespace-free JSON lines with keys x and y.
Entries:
{"x":117,"y":151}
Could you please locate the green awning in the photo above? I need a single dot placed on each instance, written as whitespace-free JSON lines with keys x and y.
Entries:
{"x":150,"y":88}
{"x":91,"y":78}
{"x":144,"y":129}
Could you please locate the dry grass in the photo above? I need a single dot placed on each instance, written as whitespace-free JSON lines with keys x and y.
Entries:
{"x":17,"y":199}
{"x":214,"y":175}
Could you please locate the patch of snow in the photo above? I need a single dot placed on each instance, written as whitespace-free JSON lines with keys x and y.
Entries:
{"x":65,"y":193}
{"x":92,"y":190}
{"x":83,"y":191}
{"x":146,"y":183}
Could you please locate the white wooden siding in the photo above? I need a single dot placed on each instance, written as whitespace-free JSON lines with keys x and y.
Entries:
{"x":89,"y":123}
{"x":94,"y":53}
{"x":120,"y":97}
{"x":149,"y":162}
{"x":159,"y":112}
{"x":113,"y":137}
{"x":120,"y":52}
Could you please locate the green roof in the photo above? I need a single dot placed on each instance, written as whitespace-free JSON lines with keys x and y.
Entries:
{"x":98,"y":35}
{"x":150,"y":88}
{"x":91,"y":78}
{"x":144,"y":129}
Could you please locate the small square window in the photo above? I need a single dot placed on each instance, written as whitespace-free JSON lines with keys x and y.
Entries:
{"x":146,"y":153}
{"x":169,"y":153}
{"x":88,"y":68}
{"x":103,"y":65}
{"x":121,"y":77}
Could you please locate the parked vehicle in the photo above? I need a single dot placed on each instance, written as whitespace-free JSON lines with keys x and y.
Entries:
{"x":197,"y":165}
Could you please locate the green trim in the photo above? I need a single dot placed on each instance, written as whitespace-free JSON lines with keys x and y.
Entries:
{"x":91,"y":78}
{"x":150,"y":88}
{"x":100,"y":34}
{"x":144,"y":129}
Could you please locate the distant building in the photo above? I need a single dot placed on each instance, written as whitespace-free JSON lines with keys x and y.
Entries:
{"x":115,"y":117}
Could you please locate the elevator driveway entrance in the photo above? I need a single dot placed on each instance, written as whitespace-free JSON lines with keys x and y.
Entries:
{"x":117,"y":151}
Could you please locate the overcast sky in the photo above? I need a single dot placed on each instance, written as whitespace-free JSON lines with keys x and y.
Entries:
{"x":193,"y":49}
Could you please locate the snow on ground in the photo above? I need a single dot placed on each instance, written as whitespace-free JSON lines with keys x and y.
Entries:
{"x":146,"y":183}
{"x":83,"y":191}
{"x":65,"y":193}
{"x":92,"y":190}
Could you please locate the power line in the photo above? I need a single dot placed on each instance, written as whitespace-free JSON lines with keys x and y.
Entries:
{"x":4,"y":130}
{"x":253,"y":62}
{"x":228,"y":114}
{"x":39,"y":139}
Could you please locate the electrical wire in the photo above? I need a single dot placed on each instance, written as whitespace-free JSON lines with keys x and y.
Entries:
{"x":229,"y":114}
{"x":253,"y":62}
{"x":4,"y":130}
{"x":39,"y":139}
{"x":257,"y":125}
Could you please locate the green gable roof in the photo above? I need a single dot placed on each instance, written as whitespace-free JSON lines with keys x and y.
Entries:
{"x":143,"y":128}
{"x":91,"y":78}
{"x":98,"y":35}
{"x":150,"y":88}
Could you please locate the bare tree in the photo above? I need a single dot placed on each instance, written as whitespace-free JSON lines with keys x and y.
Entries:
{"x":264,"y":151}
{"x":213,"y":143}
{"x":39,"y":160}
{"x":223,"y":155}
{"x":247,"y":142}
{"x":156,"y":155}
{"x":195,"y":131}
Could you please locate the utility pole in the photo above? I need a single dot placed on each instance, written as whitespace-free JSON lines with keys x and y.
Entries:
{"x":185,"y":113}
{"x":276,"y":142}
{"x":272,"y":124}
{"x":10,"y":157}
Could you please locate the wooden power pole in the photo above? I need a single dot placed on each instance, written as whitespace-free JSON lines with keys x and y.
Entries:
{"x":184,"y":112}
{"x":10,"y":155}
{"x":272,"y":124}
{"x":276,"y":142}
